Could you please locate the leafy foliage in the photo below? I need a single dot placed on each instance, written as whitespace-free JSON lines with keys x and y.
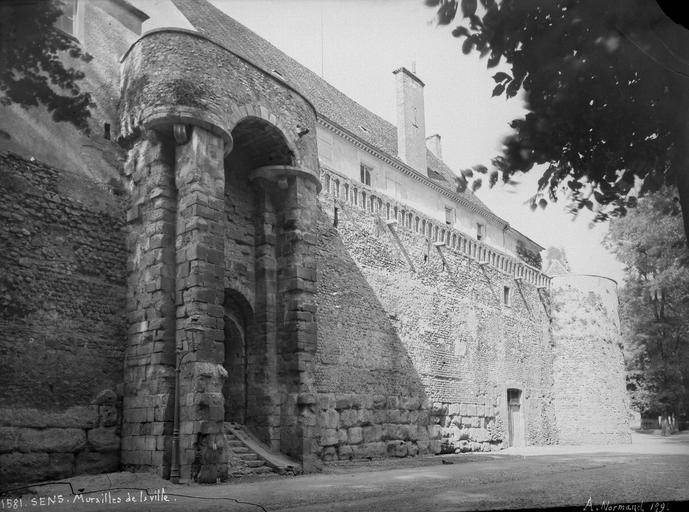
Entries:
{"x":530,"y":257}
{"x":32,"y":64}
{"x":655,"y":302}
{"x":606,"y":86}
{"x":555,"y":259}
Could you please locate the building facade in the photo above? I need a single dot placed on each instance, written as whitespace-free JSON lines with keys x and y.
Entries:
{"x":248,"y":258}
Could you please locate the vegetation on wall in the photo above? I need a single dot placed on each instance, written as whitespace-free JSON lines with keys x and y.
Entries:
{"x":530,"y":257}
{"x":33,"y":62}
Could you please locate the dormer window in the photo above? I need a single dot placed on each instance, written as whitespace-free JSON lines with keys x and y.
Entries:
{"x":363,"y":129}
{"x":366,"y":174}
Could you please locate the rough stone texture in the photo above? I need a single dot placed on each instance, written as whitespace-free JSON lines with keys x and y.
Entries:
{"x":199,"y":246}
{"x":591,"y":402}
{"x":61,"y":287}
{"x":62,"y":296}
{"x":151,"y":313}
{"x":174,"y":74}
{"x":364,"y":340}
{"x":440,"y":335}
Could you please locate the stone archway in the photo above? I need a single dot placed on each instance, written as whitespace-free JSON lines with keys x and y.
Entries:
{"x":238,"y":333}
{"x":253,"y":388}
{"x":269,"y":211}
{"x":190,"y":187}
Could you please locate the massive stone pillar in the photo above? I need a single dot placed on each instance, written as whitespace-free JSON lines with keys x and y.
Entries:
{"x":150,"y":358}
{"x":200,"y":179}
{"x":294,"y":192}
{"x":263,"y":399}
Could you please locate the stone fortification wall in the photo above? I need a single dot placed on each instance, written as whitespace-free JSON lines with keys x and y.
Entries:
{"x":421,"y":359}
{"x":589,"y":384}
{"x":62,"y":329}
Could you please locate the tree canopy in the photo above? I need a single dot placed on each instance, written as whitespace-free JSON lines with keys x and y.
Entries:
{"x":32,"y":64}
{"x":654,"y":303}
{"x":606,"y":85}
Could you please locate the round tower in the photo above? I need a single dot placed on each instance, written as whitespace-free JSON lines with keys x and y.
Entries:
{"x":589,"y":392}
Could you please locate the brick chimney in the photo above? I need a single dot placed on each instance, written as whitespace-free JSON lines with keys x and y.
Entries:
{"x":433,"y":143}
{"x":411,"y":126}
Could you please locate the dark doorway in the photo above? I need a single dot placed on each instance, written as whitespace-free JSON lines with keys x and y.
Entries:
{"x":514,"y":418}
{"x":238,"y":330}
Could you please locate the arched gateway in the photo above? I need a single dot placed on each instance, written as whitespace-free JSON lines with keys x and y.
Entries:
{"x":224,"y":170}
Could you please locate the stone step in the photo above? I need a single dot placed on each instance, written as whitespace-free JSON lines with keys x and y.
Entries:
{"x":261,"y":470}
{"x":254,"y":463}
{"x":247,"y":456}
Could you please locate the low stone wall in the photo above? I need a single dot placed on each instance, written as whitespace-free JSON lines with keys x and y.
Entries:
{"x":358,"y":426}
{"x":40,"y":445}
{"x":468,"y":427}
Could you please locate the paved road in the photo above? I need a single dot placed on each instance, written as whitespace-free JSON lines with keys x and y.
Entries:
{"x":652,"y":469}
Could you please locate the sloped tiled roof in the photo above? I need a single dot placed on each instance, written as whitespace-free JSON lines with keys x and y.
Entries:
{"x":329,"y":102}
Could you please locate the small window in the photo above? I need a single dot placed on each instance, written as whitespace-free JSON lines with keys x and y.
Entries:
{"x":480,"y":231}
{"x":366,"y":174}
{"x":514,"y":396}
{"x":125,"y":13}
{"x":507,"y":296}
{"x":66,"y":21}
{"x":449,"y":216}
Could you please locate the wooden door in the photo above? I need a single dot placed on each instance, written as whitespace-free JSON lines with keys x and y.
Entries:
{"x":514,"y":418}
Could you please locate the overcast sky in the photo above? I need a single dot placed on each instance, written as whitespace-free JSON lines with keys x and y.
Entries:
{"x":356,"y":44}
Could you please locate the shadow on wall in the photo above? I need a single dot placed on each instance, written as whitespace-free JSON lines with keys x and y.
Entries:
{"x":371,"y":400}
{"x":396,"y":312}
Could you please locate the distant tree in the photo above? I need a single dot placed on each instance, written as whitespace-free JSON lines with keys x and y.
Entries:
{"x":654,"y":302}
{"x":555,"y":257}
{"x":32,"y":63}
{"x":606,"y":85}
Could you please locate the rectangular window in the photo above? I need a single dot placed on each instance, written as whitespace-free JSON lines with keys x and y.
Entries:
{"x":366,"y":174}
{"x":66,"y":21}
{"x":449,"y":216}
{"x":507,"y":296}
{"x":126,"y":14}
{"x":480,"y":231}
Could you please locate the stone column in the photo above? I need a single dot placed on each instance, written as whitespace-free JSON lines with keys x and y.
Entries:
{"x":264,"y":393}
{"x":150,"y":360}
{"x":294,"y":196}
{"x":200,"y":180}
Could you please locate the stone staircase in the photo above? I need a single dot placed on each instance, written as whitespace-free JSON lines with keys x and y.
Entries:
{"x":247,"y":456}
